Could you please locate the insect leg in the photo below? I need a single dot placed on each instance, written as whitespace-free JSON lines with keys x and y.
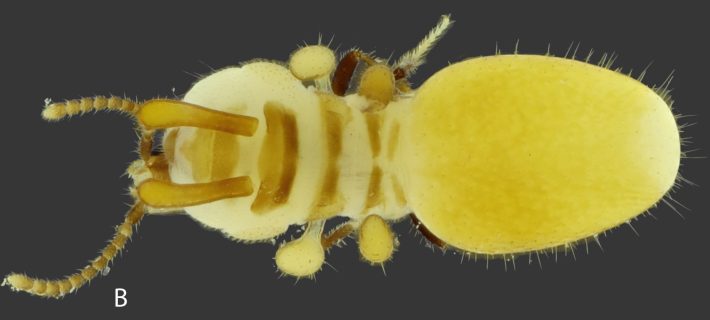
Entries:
{"x":426,"y":233}
{"x":334,"y":236}
{"x":345,"y":69}
{"x":59,"y":287}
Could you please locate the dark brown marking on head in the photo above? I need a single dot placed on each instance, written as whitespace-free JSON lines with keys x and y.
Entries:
{"x":290,"y":157}
{"x":278,"y":159}
{"x":426,"y":233}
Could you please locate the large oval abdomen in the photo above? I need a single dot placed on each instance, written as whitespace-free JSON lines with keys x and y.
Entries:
{"x":514,"y":153}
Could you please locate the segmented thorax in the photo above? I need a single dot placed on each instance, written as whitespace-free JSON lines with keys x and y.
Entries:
{"x":314,"y":155}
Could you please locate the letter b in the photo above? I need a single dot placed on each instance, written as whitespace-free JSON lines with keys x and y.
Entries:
{"x":121,"y":300}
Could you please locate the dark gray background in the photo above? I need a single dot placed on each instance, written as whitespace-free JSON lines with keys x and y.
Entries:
{"x":64,"y":190}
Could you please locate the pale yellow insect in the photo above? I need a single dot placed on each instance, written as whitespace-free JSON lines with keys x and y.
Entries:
{"x":495,"y":155}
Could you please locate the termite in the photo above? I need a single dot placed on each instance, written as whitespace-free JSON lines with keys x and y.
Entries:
{"x":496,"y":155}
